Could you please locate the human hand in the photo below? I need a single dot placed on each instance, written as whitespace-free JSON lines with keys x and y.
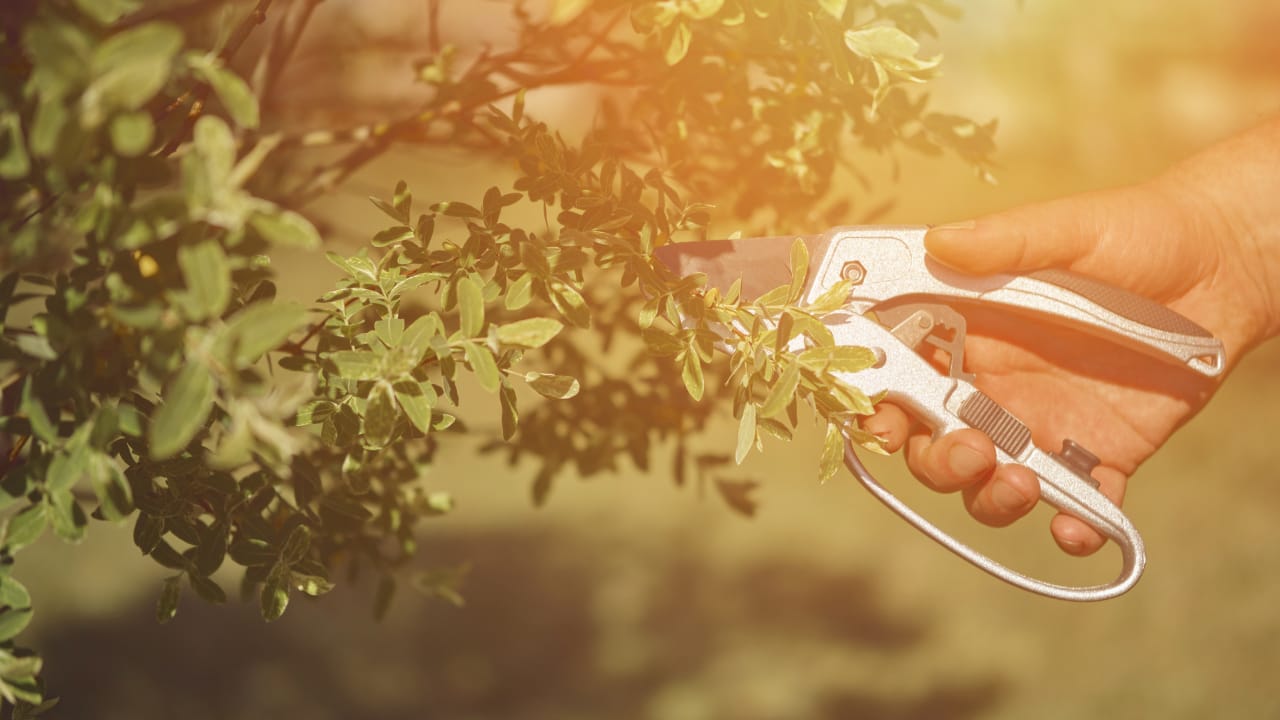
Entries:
{"x":1199,"y":239}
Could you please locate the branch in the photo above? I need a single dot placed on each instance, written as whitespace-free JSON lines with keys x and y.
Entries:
{"x":200,"y":92}
{"x":284,"y":41}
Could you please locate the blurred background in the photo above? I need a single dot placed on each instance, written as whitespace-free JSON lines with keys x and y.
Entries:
{"x":627,"y":597}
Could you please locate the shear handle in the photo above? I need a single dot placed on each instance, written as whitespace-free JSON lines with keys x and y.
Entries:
{"x":1065,"y":492}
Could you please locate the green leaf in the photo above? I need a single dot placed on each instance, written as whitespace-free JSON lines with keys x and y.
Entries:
{"x":275,"y":595}
{"x":835,"y":298}
{"x":67,"y":517}
{"x":838,"y":358}
{"x":746,"y":433}
{"x":390,"y":330}
{"x":678,"y":43}
{"x":691,"y":374}
{"x":14,"y":161}
{"x":530,"y":333}
{"x":13,"y":593}
{"x":182,"y":411}
{"x":231,"y":89}
{"x":296,"y":545}
{"x":799,"y":269}
{"x":470,"y":307}
{"x":510,"y":411}
{"x":129,"y":68}
{"x":312,"y":585}
{"x":208,"y":277}
{"x":456,"y":209}
{"x":25,"y":527}
{"x":261,"y":327}
{"x":33,"y":407}
{"x":483,"y":365}
{"x":417,"y":337}
{"x":556,"y":387}
{"x":111,"y":487}
{"x":356,"y":364}
{"x":417,"y":400}
{"x":13,"y":621}
{"x":285,"y":228}
{"x":782,"y":392}
{"x":832,"y":453}
{"x":132,"y":133}
{"x":147,"y":532}
{"x":393,"y":235}
{"x":380,"y":415}
{"x":402,"y":201}
{"x":167,"y":605}
{"x":569,"y":303}
{"x":207,"y":589}
{"x":520,"y":292}
{"x":36,"y":346}
{"x":67,"y":467}
{"x":108,"y":11}
{"x":565,"y":11}
{"x":834,"y":8}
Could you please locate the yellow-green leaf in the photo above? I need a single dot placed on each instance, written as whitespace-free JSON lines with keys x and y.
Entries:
{"x":470,"y":307}
{"x":13,"y":621}
{"x":834,"y":8}
{"x":678,"y":43}
{"x":838,"y":358}
{"x":520,"y":292}
{"x":132,"y":133}
{"x":565,"y":11}
{"x":483,"y":365}
{"x":799,"y":269}
{"x":835,"y":297}
{"x":285,"y":228}
{"x":557,"y":387}
{"x":782,"y":392}
{"x":182,"y":412}
{"x":231,"y":89}
{"x":529,"y":333}
{"x":208,"y":277}
{"x":417,"y":400}
{"x":691,"y":373}
{"x":25,"y":527}
{"x":380,"y":415}
{"x":832,"y":453}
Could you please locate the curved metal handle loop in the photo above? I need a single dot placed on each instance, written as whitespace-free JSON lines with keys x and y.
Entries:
{"x":1123,"y":532}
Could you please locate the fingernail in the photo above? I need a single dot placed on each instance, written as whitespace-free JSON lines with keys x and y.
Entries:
{"x":967,"y":462}
{"x":1073,"y":547}
{"x":959,"y":225}
{"x":1007,"y":498}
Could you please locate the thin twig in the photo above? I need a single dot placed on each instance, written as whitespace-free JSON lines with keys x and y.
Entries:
{"x":201,"y":92}
{"x":284,"y":42}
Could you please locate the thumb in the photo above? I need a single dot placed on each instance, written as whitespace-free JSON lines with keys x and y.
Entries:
{"x":1055,"y":233}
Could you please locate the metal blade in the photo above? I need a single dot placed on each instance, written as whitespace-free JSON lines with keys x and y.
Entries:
{"x":762,"y":263}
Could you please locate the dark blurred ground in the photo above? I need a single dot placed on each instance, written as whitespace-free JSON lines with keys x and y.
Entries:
{"x":628,"y":598}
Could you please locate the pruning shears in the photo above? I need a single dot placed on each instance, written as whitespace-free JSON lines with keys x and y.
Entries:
{"x":903,"y":302}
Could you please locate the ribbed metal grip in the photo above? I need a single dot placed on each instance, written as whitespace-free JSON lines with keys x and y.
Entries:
{"x":1005,"y":430}
{"x":1122,"y":302}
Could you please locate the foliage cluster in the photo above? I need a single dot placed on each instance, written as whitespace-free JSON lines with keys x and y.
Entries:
{"x":150,"y":374}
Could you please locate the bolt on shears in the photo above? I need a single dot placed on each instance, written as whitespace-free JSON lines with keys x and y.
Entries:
{"x":903,"y":303}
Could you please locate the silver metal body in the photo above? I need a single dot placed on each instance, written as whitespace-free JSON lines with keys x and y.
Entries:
{"x":895,"y":265}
